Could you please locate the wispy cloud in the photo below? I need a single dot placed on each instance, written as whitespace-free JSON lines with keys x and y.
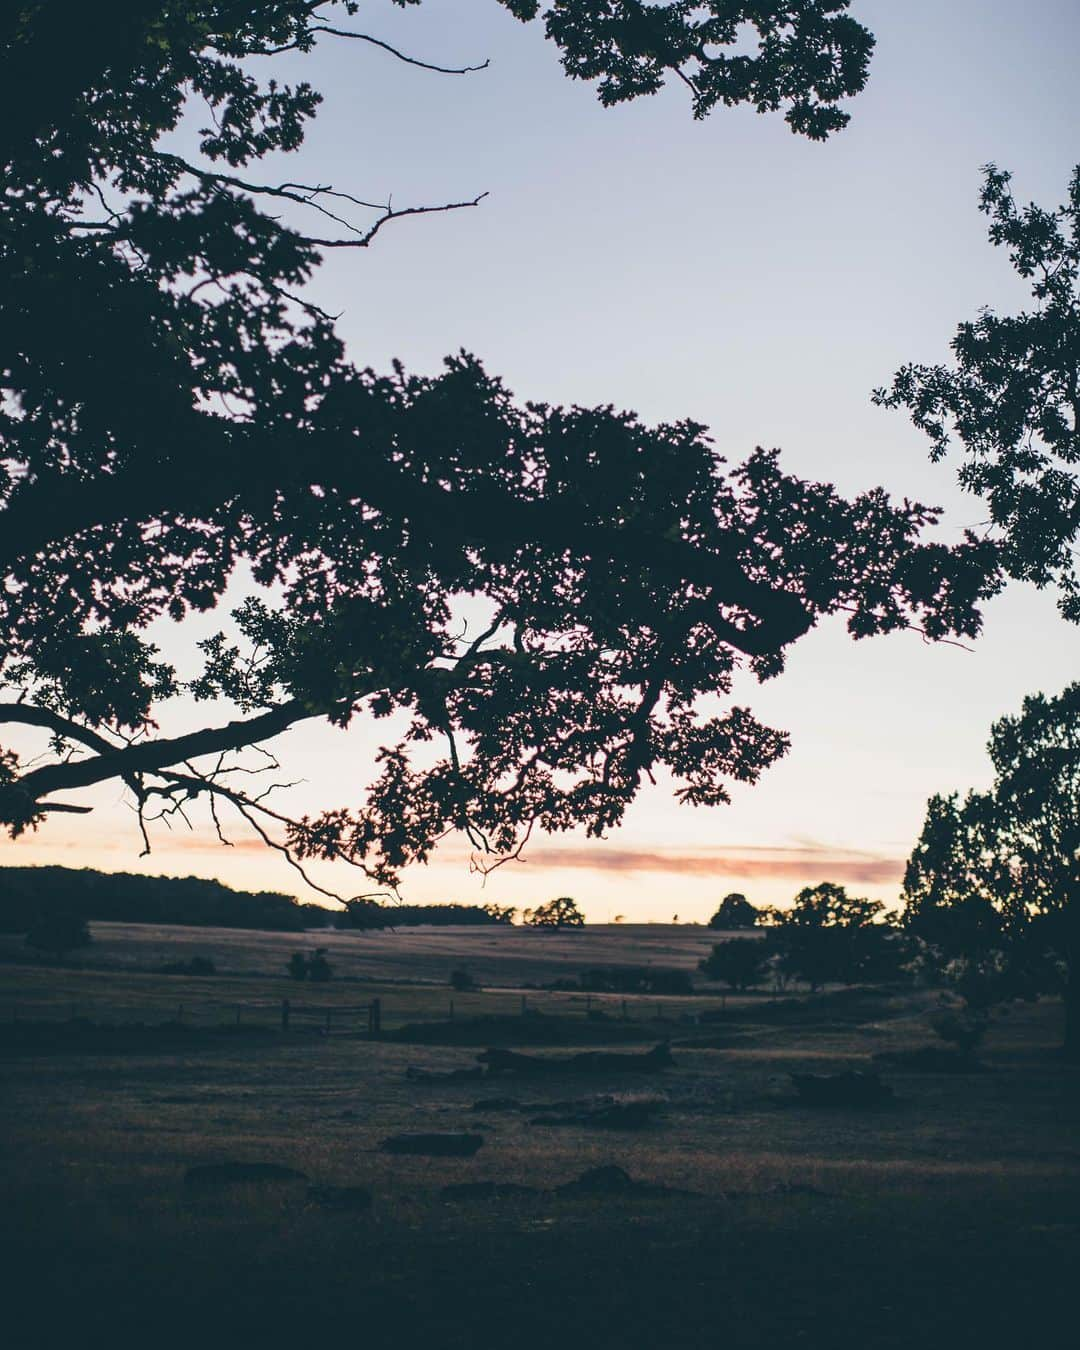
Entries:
{"x":751,"y":861}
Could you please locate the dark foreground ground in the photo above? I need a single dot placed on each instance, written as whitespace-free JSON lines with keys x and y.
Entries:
{"x":949,"y":1217}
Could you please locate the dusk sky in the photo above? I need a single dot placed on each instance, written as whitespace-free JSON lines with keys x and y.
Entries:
{"x":727,"y":271}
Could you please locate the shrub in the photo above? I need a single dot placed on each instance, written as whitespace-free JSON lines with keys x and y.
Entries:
{"x":319,"y":969}
{"x":462,"y":981}
{"x":57,"y":932}
{"x":739,"y":963}
{"x":198,"y":965}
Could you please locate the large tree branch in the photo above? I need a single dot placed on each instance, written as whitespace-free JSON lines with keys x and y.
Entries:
{"x":149,"y":756}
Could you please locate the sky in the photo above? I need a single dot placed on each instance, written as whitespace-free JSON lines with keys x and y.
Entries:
{"x":723,"y":270}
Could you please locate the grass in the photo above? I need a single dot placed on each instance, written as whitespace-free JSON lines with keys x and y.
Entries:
{"x":950,"y":1218}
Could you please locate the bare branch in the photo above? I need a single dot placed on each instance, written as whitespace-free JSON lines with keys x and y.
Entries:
{"x":376,"y":42}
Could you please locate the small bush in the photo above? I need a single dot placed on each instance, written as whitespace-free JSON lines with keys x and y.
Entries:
{"x":964,"y":1029}
{"x":462,"y":982}
{"x":319,"y":969}
{"x":57,"y":933}
{"x":739,"y":963}
{"x":198,"y":965}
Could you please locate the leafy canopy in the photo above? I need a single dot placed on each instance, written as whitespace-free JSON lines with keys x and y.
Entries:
{"x":994,"y":881}
{"x":1013,"y":399}
{"x":173,"y":408}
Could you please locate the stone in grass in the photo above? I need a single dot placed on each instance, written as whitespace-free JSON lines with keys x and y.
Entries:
{"x":239,"y":1173}
{"x":434,"y":1145}
{"x":487,"y":1190}
{"x":351,"y":1198}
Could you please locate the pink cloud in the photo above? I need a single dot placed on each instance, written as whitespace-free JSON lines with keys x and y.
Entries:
{"x":749,"y":862}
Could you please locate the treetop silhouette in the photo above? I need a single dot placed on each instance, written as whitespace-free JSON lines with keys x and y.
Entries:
{"x":1013,"y":399}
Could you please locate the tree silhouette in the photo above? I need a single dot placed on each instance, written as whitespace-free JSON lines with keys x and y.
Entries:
{"x":829,"y":935}
{"x":1013,"y":398}
{"x":734,"y":911}
{"x":739,"y":963}
{"x":562,"y":912}
{"x":1003,"y":868}
{"x":173,"y":408}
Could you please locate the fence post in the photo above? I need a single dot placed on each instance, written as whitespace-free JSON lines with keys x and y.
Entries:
{"x":588,"y":1004}
{"x":451,"y":1010}
{"x":328,"y":1014}
{"x":374,"y":1017}
{"x":179,"y":1012}
{"x":624,"y":1009}
{"x":524,"y":1004}
{"x":238,"y":1014}
{"x":285,"y":1009}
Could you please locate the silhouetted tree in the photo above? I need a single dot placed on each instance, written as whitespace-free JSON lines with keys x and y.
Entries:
{"x":827,"y":935}
{"x":1012,"y":397}
{"x":58,"y":932}
{"x":562,"y":912}
{"x":739,"y":963}
{"x":1020,"y":849}
{"x":319,"y":969}
{"x":173,"y":407}
{"x":735,"y":911}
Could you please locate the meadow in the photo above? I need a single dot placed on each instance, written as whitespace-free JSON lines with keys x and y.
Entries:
{"x":947,"y":1215}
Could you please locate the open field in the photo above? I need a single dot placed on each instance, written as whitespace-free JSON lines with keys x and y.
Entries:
{"x":504,"y":956}
{"x":947,"y":1217}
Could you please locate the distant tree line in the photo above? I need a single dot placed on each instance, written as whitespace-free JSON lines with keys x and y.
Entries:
{"x":29,"y":893}
{"x":370,"y":914}
{"x":123,"y":897}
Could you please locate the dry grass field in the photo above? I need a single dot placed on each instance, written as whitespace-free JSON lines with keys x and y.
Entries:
{"x":946,"y":1217}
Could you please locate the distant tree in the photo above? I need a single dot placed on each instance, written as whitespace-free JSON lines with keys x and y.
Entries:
{"x":735,"y":912}
{"x":828,"y":935}
{"x":1011,"y":397}
{"x":318,"y":967}
{"x":58,"y":932}
{"x":298,"y":966}
{"x":562,"y":912}
{"x":739,"y":963}
{"x":503,"y":914}
{"x":996,"y":880}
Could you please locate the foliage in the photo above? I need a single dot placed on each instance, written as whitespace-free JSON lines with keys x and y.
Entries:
{"x":993,"y":885}
{"x":1012,"y":397}
{"x":122,"y":897}
{"x":735,"y":911}
{"x":462,"y":982}
{"x":561,"y":912}
{"x":312,"y":966}
{"x":366,"y":913}
{"x":635,"y":980}
{"x":173,"y":408}
{"x":58,"y":931}
{"x":319,"y":969}
{"x":739,"y":963}
{"x":807,"y":56}
{"x":197,"y":965}
{"x":964,"y":1029}
{"x":827,"y":935}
